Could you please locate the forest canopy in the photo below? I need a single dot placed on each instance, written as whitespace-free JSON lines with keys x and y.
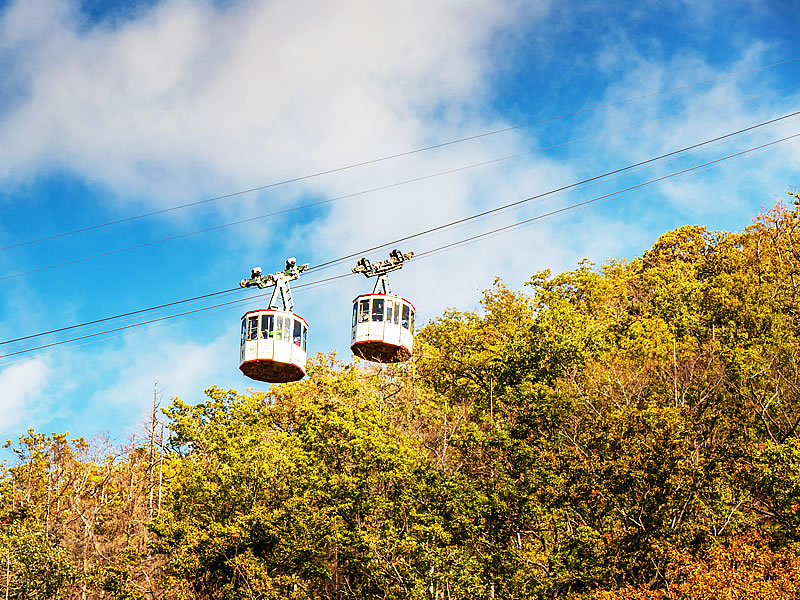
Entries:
{"x":621,"y":431}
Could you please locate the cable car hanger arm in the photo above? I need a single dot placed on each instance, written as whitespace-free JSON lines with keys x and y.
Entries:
{"x":280,"y":280}
{"x":381,"y":269}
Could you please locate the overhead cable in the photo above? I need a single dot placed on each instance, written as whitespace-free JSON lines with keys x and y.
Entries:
{"x":573,"y":206}
{"x":415,"y":180}
{"x":245,"y":301}
{"x":427,"y":231}
{"x":156,"y":320}
{"x":393,"y":156}
{"x":543,"y":194}
{"x":606,"y":197}
{"x":133,"y":312}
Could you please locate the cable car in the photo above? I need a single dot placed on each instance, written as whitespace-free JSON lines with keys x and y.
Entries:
{"x":382,"y":328}
{"x":273,"y":345}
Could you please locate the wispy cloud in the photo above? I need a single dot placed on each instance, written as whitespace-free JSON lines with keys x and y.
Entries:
{"x":185,"y":100}
{"x":189,"y":98}
{"x":22,"y":395}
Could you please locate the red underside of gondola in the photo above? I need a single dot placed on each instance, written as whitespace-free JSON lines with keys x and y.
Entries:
{"x":380,"y":352}
{"x":272,"y":371}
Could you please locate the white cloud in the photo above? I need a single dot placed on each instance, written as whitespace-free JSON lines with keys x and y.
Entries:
{"x":181,"y":368}
{"x":695,"y":196}
{"x":186,"y":100}
{"x":189,"y":99}
{"x":22,"y":393}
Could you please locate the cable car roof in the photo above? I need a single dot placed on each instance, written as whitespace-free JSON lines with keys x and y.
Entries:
{"x":275,"y":310}
{"x":383,"y":296}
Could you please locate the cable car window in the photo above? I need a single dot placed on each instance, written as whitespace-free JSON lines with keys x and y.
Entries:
{"x":377,"y":309}
{"x":244,"y":330}
{"x":297,"y":333}
{"x":305,"y":336}
{"x":287,"y":323}
{"x":389,"y":306}
{"x":406,"y":315}
{"x":279,"y":329}
{"x":364,"y":312}
{"x":252,"y":327}
{"x":267,"y":322}
{"x":355,"y":313}
{"x":412,"y":321}
{"x":396,"y":313}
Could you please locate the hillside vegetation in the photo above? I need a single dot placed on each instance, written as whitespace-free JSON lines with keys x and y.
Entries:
{"x":627,"y":431}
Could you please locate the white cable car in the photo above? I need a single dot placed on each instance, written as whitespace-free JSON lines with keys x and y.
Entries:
{"x":383,"y":324}
{"x":273,"y":343}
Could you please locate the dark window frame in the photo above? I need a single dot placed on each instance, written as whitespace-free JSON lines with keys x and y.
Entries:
{"x":267,"y":319}
{"x":297,"y":333}
{"x":252,"y":328}
{"x":377,"y":314}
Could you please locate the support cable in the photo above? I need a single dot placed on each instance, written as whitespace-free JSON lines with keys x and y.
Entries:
{"x":127,"y":314}
{"x":393,"y":156}
{"x":543,"y":194}
{"x":605,"y":197}
{"x":425,"y":232}
{"x":415,"y":180}
{"x":245,"y":301}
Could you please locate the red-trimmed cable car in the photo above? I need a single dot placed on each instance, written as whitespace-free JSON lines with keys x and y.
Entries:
{"x":383,"y":324}
{"x":273,"y":345}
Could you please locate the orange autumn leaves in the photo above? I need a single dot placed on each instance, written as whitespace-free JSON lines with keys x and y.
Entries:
{"x":744,"y":568}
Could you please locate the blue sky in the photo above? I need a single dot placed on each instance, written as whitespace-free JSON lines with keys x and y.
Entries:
{"x":110,"y":110}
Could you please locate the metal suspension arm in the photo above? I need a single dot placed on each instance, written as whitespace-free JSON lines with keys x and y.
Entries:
{"x":280,"y":280}
{"x":382,"y":268}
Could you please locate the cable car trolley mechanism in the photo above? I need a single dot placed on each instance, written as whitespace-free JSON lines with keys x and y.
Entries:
{"x":383,"y":324}
{"x":273,"y":344}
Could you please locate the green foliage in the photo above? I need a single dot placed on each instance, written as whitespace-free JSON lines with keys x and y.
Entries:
{"x":305,"y":490}
{"x":34,"y":568}
{"x":624,"y":431}
{"x":71,"y":519}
